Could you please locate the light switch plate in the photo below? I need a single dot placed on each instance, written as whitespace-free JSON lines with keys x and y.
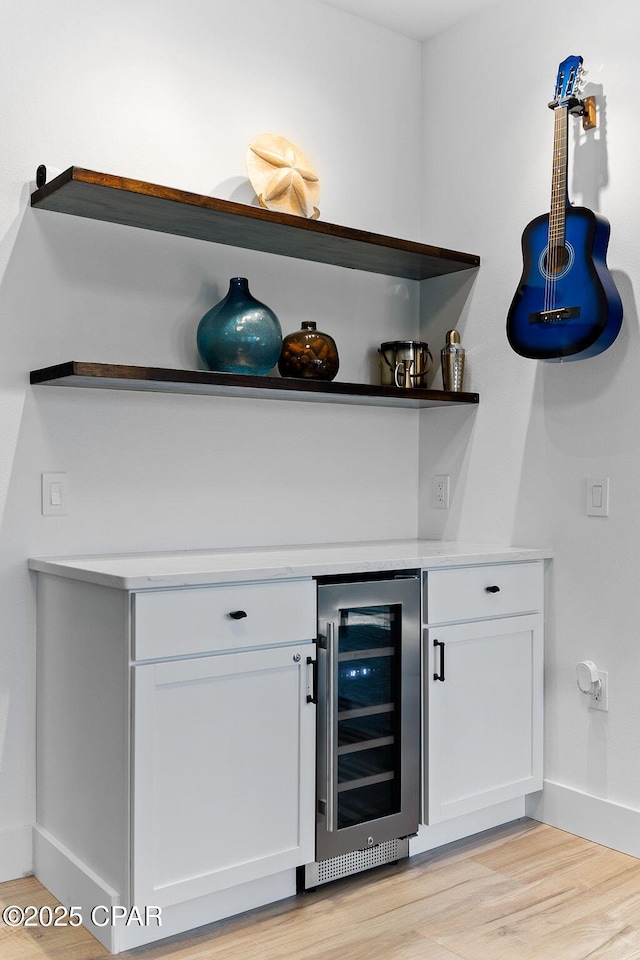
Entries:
{"x":54,"y":495}
{"x":597,"y":496}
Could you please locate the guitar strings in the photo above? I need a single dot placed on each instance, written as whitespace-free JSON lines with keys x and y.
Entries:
{"x":548,"y":273}
{"x":558,"y":204}
{"x":550,"y":244}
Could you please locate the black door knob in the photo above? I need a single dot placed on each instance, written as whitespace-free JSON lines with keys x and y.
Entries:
{"x":238,"y":614}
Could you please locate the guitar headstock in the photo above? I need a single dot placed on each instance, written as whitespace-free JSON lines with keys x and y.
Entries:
{"x":568,"y":82}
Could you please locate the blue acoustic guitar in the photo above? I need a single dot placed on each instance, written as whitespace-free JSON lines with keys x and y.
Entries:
{"x":566,"y":306}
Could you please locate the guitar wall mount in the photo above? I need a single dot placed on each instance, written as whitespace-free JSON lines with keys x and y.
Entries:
{"x":585,"y":108}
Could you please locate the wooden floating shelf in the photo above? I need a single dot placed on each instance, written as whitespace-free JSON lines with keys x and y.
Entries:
{"x":163,"y":380}
{"x":101,"y":196}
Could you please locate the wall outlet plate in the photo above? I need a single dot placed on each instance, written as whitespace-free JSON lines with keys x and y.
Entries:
{"x":601,"y":700}
{"x":441,"y":485}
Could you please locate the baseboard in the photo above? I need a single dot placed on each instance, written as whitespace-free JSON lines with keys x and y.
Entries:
{"x":193,"y":914}
{"x":75,"y":884}
{"x":602,"y":821}
{"x":438,"y":834}
{"x":16,"y":853}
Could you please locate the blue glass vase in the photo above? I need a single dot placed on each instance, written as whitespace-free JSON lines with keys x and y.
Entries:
{"x":240,"y":334}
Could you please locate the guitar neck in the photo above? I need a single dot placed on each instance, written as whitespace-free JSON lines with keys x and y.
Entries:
{"x":559,"y":193}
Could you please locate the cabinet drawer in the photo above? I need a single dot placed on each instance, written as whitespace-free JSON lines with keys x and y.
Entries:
{"x":466,"y":593}
{"x":195,"y":620}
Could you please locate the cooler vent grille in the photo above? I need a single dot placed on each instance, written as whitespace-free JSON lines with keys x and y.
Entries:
{"x":347,"y":863}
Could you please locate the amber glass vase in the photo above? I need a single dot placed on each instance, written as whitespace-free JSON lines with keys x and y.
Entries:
{"x":309,"y":354}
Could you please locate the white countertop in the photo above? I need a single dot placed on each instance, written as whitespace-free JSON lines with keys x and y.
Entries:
{"x":193,"y":567}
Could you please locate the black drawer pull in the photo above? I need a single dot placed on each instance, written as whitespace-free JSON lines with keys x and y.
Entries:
{"x":238,"y":614}
{"x":493,"y":589}
{"x":440,"y":676}
{"x":314,"y":696}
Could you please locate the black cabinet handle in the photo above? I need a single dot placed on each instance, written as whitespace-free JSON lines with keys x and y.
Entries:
{"x":238,"y":614}
{"x":314,"y":696}
{"x":440,"y":676}
{"x":493,"y":589}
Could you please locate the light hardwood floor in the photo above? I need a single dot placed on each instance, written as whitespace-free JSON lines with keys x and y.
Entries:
{"x":525,"y":891}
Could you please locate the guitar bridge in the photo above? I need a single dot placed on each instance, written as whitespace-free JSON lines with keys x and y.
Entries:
{"x":553,"y":316}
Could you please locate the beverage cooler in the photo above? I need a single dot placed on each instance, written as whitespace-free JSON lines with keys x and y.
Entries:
{"x":368,"y":744}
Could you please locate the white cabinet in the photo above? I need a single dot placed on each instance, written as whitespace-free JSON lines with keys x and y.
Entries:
{"x":176,"y":748}
{"x":215,"y":619}
{"x":176,"y":732}
{"x":483,"y":687}
{"x":223,"y":737}
{"x":223,"y":767}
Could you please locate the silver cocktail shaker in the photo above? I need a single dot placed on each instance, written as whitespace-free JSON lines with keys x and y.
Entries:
{"x":452,"y":356}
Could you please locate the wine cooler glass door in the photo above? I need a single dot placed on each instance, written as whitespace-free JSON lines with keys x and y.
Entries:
{"x":368,"y":742}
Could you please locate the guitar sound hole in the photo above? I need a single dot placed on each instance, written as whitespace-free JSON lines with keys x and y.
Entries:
{"x":556,"y":260}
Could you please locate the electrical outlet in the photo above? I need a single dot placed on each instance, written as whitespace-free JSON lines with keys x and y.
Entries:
{"x":601,"y":700}
{"x":441,"y":492}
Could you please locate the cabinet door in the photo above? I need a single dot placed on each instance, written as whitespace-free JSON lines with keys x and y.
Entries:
{"x":223,"y":772}
{"x":484,"y":718}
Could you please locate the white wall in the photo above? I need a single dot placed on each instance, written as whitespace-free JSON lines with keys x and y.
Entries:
{"x":519,"y":463}
{"x":173,"y":93}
